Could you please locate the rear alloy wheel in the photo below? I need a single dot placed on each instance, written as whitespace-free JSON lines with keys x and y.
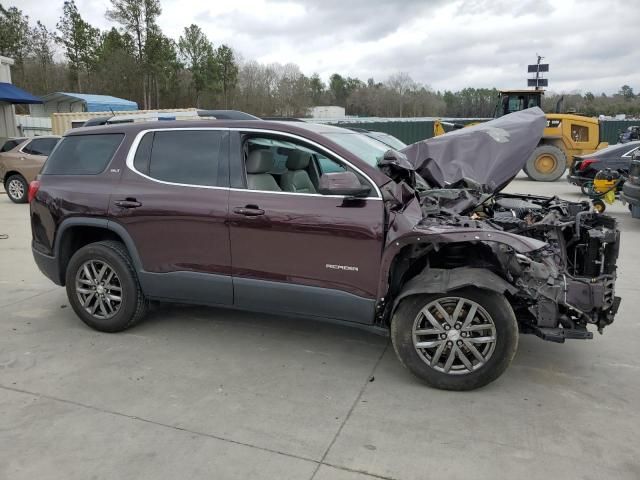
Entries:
{"x":455,"y":341}
{"x":103,"y":288}
{"x":98,"y":289}
{"x":546,"y":164}
{"x":17,"y":189}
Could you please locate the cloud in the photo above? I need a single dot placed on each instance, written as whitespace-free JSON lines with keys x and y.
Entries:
{"x":445,"y":44}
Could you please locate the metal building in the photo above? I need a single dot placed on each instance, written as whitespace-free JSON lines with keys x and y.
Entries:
{"x":9,"y":96}
{"x":63,"y":102}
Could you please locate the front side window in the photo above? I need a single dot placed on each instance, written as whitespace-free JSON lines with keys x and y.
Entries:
{"x":82,"y":154}
{"x":190,"y":157}
{"x":40,"y":146}
{"x":281,"y":165}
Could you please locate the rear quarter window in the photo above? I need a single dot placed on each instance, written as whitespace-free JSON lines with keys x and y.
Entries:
{"x":82,"y":154}
{"x":40,"y":146}
{"x":11,"y":144}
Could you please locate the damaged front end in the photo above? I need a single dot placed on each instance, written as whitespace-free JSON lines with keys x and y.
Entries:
{"x":554,"y":260}
{"x":561,"y":286}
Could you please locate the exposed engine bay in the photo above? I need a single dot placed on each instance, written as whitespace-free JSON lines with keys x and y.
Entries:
{"x":568,"y":283}
{"x":555,"y":260}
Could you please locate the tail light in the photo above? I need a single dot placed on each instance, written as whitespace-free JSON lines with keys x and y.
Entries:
{"x":33,"y":189}
{"x":585,"y":163}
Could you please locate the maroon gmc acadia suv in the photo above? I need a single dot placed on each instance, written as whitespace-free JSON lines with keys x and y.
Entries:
{"x":317,"y":221}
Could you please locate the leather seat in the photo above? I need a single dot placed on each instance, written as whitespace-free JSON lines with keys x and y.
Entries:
{"x":296,"y":179}
{"x":259,"y":163}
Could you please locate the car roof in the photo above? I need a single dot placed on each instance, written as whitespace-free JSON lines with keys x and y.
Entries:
{"x":284,"y":126}
{"x":612,"y":150}
{"x":43,"y":136}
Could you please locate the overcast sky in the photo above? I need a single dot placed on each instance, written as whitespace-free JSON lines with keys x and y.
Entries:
{"x":591,"y":45}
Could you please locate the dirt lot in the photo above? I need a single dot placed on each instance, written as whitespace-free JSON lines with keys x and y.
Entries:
{"x":206,"y":393}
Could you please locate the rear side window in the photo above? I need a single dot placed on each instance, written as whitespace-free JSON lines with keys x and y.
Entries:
{"x":11,"y":144}
{"x":190,"y":157}
{"x":82,"y":154}
{"x":40,"y":146}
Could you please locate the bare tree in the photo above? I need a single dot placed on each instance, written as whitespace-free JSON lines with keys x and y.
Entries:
{"x":138,"y":17}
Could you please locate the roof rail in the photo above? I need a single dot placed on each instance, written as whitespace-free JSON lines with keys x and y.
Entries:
{"x":227,"y":115}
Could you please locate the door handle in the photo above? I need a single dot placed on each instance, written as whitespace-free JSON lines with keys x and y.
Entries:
{"x":128,"y":203}
{"x":249,"y":211}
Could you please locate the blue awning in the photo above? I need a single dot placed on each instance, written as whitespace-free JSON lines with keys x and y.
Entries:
{"x":12,"y":94}
{"x":93,"y":103}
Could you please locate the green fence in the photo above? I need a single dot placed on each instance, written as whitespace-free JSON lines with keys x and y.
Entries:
{"x":413,"y":131}
{"x":610,"y":129}
{"x":407,"y":131}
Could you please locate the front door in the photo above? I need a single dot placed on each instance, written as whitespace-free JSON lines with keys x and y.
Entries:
{"x":295,"y":250}
{"x":173,"y":200}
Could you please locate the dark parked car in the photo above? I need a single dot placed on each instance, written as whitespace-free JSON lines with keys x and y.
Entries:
{"x":631,"y":189}
{"x":318,"y":221}
{"x":630,"y":134}
{"x":616,"y":157}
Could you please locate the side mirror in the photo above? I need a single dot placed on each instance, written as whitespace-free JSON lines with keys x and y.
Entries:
{"x":342,"y":183}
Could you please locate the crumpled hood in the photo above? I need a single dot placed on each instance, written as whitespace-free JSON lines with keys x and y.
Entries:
{"x":491,"y":153}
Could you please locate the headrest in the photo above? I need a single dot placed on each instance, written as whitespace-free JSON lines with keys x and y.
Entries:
{"x":259,"y":161}
{"x":298,"y":160}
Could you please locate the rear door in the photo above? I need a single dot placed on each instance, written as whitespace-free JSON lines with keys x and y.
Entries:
{"x":304,"y":253}
{"x":173,"y":200}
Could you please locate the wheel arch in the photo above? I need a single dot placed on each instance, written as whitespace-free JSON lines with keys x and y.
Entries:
{"x":75,"y":233}
{"x":414,"y":254}
{"x":440,"y":280}
{"x":554,"y":142}
{"x":11,"y":173}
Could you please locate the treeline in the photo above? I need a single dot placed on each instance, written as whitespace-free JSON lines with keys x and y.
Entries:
{"x":137,"y":61}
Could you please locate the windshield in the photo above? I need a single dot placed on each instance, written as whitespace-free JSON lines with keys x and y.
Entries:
{"x":366,"y":148}
{"x":387,"y":139}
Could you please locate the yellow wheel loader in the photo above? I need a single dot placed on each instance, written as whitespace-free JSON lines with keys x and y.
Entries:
{"x":565,"y":136}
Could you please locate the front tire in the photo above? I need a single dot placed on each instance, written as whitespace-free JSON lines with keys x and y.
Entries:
{"x":17,"y":188}
{"x":103,"y":288}
{"x":459,"y":340}
{"x":547,"y":163}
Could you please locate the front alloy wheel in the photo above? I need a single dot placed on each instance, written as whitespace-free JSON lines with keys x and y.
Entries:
{"x":454,"y":335}
{"x":458,"y":340}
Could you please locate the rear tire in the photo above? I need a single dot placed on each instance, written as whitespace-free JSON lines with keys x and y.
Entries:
{"x":546,"y":164}
{"x":17,"y":188}
{"x":103,"y":288}
{"x":425,"y":348}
